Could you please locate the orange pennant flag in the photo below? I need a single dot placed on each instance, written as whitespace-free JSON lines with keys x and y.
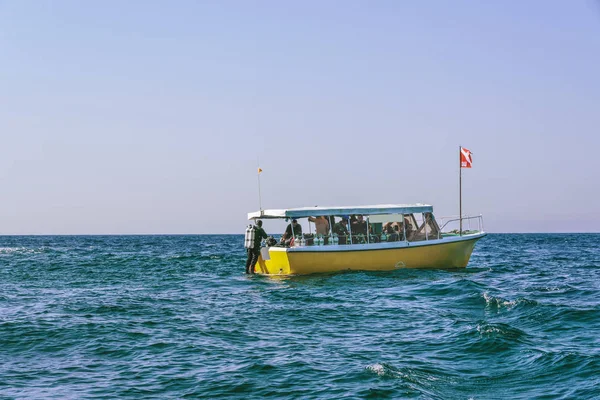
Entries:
{"x":259,"y":170}
{"x":466,"y":158}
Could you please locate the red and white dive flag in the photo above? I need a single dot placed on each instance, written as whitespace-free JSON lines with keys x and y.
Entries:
{"x":466,"y":158}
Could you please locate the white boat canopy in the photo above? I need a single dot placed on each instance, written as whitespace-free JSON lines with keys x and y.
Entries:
{"x":346,"y":210}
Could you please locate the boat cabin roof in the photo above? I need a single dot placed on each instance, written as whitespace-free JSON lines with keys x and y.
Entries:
{"x":344,"y":210}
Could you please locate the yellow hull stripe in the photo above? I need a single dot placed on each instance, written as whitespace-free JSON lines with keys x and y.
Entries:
{"x":454,"y":254}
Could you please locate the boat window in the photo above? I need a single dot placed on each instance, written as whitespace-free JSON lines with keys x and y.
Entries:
{"x":387,"y":228}
{"x":338,"y":234}
{"x":363,"y":229}
{"x":428,"y":228}
{"x":431,"y":226}
{"x":375,"y":228}
{"x":411,"y":226}
{"x":359,"y":229}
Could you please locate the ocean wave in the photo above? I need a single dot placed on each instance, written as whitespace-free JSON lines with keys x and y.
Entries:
{"x":426,"y":380}
{"x":495,"y":330}
{"x":497,"y":303}
{"x":20,"y":250}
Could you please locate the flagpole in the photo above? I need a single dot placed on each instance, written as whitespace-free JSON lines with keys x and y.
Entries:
{"x":460,"y":190}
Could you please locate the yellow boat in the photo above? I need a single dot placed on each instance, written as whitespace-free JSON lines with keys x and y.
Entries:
{"x":417,"y":241}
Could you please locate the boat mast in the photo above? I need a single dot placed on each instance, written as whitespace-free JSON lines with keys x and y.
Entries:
{"x":460,"y":190}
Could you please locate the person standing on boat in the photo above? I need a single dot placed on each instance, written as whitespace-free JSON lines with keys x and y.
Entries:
{"x":359,"y":227}
{"x":321,"y":226}
{"x":287,"y":235}
{"x":254,"y":251}
{"x":341,"y":230}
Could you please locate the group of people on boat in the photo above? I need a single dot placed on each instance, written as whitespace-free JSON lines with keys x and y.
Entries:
{"x":395,"y":231}
{"x":322,"y":228}
{"x":354,"y":227}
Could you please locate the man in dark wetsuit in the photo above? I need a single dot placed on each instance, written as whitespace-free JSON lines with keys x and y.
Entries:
{"x":254,"y":252}
{"x":287,"y":235}
{"x":359,"y":227}
{"x":341,"y":230}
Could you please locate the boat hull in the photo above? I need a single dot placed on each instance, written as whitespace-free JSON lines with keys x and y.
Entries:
{"x":442,"y":253}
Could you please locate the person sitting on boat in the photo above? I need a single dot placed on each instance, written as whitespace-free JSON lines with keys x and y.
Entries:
{"x":254,"y":251}
{"x":428,"y":230}
{"x":373,"y":238}
{"x":433,"y":225}
{"x":390,"y":232}
{"x":341,"y":230}
{"x":387,"y":228}
{"x":397,"y":234}
{"x":287,"y":237}
{"x":359,"y":227}
{"x":321,"y":226}
{"x":409,"y":229}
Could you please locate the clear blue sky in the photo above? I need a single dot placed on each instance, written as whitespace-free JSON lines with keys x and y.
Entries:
{"x":148,"y":117}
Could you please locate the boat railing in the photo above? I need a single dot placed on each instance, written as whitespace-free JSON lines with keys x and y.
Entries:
{"x":469,"y":222}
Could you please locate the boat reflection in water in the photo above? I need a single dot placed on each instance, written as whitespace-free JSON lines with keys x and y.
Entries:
{"x":385,"y":237}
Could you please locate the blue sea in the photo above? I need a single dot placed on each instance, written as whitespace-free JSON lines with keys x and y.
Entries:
{"x":158,"y":317}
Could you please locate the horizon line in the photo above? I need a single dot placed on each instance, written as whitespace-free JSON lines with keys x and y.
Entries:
{"x":232,"y":234}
